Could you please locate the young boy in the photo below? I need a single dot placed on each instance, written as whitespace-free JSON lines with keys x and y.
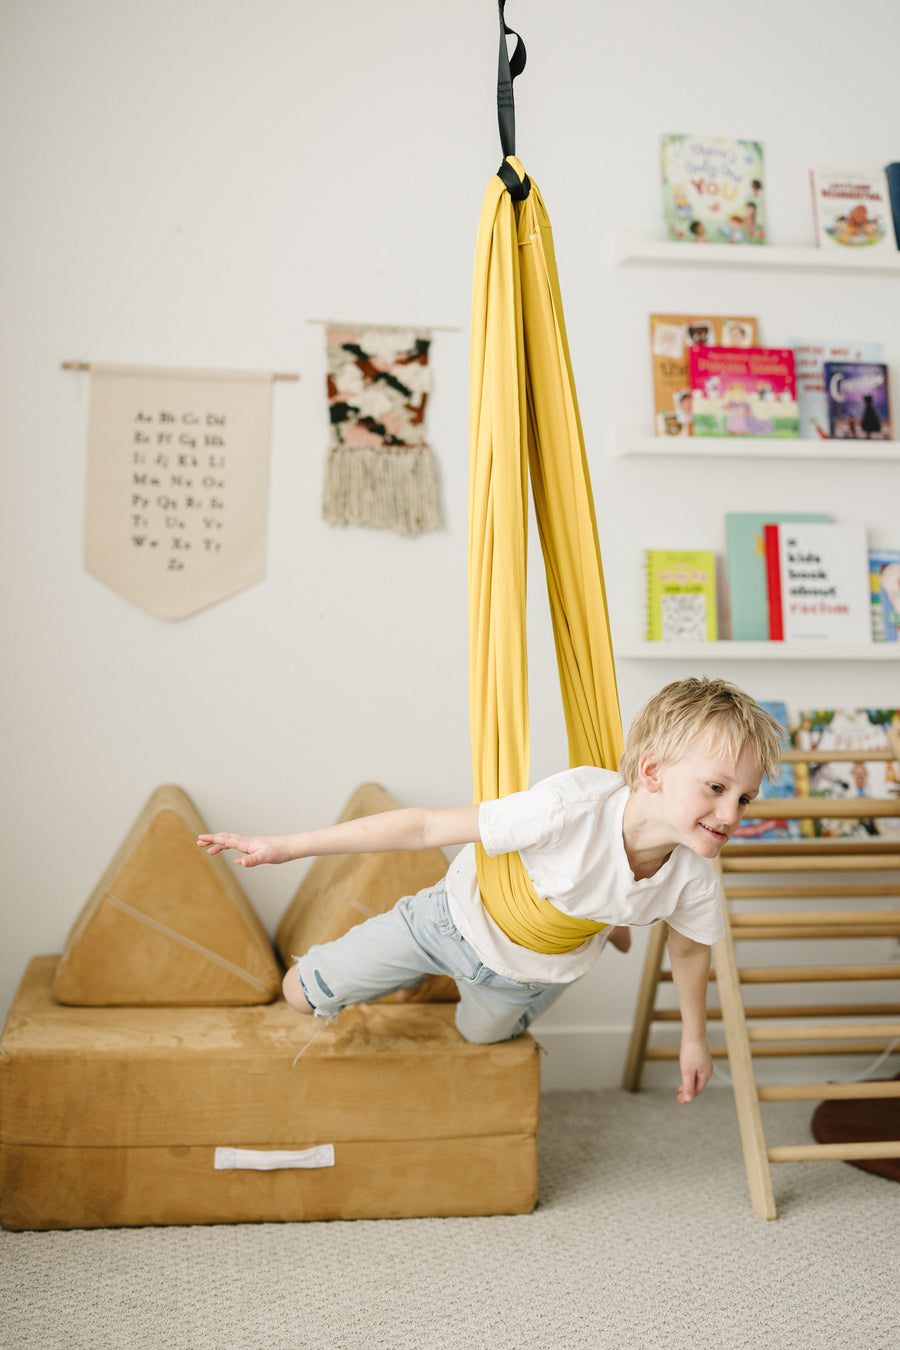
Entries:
{"x":617,"y":849}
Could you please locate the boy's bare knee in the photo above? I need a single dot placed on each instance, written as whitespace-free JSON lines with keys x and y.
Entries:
{"x":293,"y":991}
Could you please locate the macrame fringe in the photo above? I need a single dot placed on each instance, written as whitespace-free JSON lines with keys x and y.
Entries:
{"x":383,"y":489}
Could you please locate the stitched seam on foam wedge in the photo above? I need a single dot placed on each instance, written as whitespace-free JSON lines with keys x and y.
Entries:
{"x":187,"y":942}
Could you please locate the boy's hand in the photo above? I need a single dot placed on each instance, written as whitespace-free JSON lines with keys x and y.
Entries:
{"x":254,"y":850}
{"x":696,"y":1069}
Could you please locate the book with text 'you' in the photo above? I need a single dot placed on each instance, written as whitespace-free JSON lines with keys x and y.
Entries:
{"x":859,"y":406}
{"x":681,"y":595}
{"x":671,"y":338}
{"x":749,"y":392}
{"x":713,"y":189}
{"x":818,"y":582}
{"x":745,"y":562}
{"x":852,"y":210}
{"x":884,"y":580}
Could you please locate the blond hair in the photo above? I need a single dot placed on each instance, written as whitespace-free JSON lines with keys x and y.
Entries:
{"x":703,"y":714}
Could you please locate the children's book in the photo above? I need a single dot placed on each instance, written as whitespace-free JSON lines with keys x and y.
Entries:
{"x":782,"y":786}
{"x":892,"y":173}
{"x":884,"y":579}
{"x":809,"y":371}
{"x":745,"y":560}
{"x":847,"y":729}
{"x":852,"y":209}
{"x":818,"y":578}
{"x":671,"y":337}
{"x":750,"y":392}
{"x":858,"y":400}
{"x":681,"y":595}
{"x":713,"y":189}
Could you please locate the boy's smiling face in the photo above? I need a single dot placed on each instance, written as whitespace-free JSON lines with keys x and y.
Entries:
{"x":702,"y":797}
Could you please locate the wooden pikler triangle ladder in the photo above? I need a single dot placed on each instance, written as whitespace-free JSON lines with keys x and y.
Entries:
{"x":860,"y":877}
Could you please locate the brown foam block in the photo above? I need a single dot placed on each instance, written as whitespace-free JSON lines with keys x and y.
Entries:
{"x":861,"y":1120}
{"x":113,"y":1116}
{"x":341,"y":891}
{"x":167,"y":924}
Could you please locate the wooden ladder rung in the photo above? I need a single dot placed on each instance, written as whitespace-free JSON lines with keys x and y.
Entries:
{"x":808,"y":974}
{"x":835,"y":892}
{"x":793,"y":1010}
{"x":816,"y":862}
{"x":744,"y":933}
{"x":786,"y":848}
{"x":824,"y":1032}
{"x":823,"y":808}
{"x":797,"y":756}
{"x":827,"y":1092}
{"x":836,"y":1152}
{"x":783,"y":1049}
{"x":864,"y":918}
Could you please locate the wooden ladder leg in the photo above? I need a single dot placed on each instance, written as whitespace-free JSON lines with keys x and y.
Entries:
{"x":643,"y":1016}
{"x":746,"y":1098}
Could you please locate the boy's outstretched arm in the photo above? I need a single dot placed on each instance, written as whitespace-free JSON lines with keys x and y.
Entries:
{"x":409,"y":829}
{"x":690,"y":973}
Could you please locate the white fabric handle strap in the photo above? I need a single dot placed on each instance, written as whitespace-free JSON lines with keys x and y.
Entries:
{"x":272,"y":1160}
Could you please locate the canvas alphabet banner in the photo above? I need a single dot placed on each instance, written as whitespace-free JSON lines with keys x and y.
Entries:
{"x":380,"y":471}
{"x":177,"y":484}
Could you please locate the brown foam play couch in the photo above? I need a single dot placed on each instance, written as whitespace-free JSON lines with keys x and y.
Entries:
{"x":134,"y":1113}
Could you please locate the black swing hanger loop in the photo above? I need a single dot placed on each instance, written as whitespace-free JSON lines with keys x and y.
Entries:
{"x":508,"y":68}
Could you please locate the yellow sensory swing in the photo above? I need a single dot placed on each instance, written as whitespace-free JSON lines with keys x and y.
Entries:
{"x":523,"y":420}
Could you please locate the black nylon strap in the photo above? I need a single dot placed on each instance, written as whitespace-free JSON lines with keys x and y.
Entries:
{"x":508,"y":68}
{"x":516,"y":189}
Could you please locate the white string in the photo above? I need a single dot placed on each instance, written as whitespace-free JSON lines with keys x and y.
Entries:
{"x":380,"y":273}
{"x":873,"y":1067}
{"x":157,"y":257}
{"x":323,"y":1022}
{"x":861,"y":1078}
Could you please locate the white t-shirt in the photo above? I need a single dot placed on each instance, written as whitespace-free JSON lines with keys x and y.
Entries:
{"x":568,"y":832}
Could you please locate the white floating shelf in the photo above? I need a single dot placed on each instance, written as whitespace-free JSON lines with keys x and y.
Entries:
{"x":632,"y":248}
{"x":637,"y":650}
{"x":636,"y":439}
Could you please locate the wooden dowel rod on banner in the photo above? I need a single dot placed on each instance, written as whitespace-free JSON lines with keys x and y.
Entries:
{"x":86,"y":365}
{"x":361,"y":323}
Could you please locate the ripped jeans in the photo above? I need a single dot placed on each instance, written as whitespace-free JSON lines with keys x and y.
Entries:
{"x":397,"y":950}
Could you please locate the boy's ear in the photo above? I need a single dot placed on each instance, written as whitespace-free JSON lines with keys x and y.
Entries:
{"x":649,"y":772}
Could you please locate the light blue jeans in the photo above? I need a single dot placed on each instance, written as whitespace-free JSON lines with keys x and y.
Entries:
{"x":396,"y":950}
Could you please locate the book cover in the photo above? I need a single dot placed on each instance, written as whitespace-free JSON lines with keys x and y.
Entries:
{"x":884,"y":579}
{"x":858,"y":400}
{"x":892,"y":173}
{"x":847,"y":729}
{"x":750,"y":392}
{"x":783,"y":786}
{"x":671,"y":337}
{"x":713,"y":189}
{"x":852,"y":209}
{"x":818,"y":582}
{"x":809,"y":371}
{"x":745,"y":563}
{"x":681,"y":595}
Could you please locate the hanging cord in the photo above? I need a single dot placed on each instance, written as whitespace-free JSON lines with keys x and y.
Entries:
{"x":508,"y":68}
{"x":860,"y":1078}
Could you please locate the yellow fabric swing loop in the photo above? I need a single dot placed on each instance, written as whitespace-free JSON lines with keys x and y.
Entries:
{"x":524,"y":420}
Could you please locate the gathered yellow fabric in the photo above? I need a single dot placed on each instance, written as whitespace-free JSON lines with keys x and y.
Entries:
{"x":524,"y":420}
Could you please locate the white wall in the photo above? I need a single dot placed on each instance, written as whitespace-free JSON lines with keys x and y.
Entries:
{"x":188,"y":184}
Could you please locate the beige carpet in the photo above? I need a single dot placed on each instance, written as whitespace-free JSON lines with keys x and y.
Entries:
{"x":644,"y":1239}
